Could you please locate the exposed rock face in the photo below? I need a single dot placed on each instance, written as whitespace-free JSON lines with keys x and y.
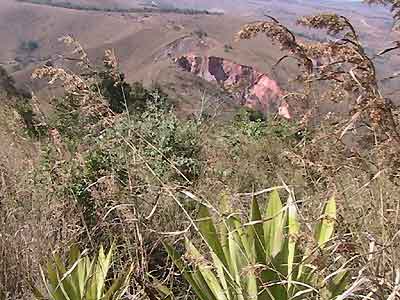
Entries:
{"x":248,"y":86}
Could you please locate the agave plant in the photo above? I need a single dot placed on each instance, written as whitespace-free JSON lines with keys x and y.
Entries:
{"x":83,"y":278}
{"x":260,"y":259}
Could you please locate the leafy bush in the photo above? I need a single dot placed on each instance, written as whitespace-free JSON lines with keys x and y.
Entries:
{"x":261,"y":258}
{"x":168,"y":148}
{"x":122,"y":96}
{"x":250,"y":123}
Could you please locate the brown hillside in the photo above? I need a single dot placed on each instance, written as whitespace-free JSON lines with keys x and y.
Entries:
{"x":144,"y":43}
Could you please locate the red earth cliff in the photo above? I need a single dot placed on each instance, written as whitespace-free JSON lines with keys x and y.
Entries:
{"x":248,"y":86}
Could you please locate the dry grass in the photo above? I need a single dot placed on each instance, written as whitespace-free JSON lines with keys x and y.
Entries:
{"x":41,"y":210}
{"x":362,"y":168}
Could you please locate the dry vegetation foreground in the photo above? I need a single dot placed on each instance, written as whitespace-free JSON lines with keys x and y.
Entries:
{"x":111,"y":164}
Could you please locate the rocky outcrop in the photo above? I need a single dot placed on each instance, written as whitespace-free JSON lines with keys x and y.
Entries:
{"x":247,"y":86}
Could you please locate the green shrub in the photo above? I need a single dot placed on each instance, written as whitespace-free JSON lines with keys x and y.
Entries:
{"x":170,"y":146}
{"x":147,"y":146}
{"x":253,"y":124}
{"x":122,"y":96}
{"x":32,"y":125}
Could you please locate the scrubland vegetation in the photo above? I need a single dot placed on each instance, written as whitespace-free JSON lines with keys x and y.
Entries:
{"x":254,"y":207}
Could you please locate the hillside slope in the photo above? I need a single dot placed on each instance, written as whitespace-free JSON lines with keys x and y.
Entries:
{"x":145,"y":43}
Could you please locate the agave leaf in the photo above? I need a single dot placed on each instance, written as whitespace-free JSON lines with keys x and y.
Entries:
{"x":276,"y":249}
{"x":224,"y":240}
{"x":35,"y":291}
{"x":293,"y":231}
{"x":90,"y":265}
{"x":38,"y":295}
{"x":223,"y":230}
{"x":82,"y":275}
{"x":119,"y":286}
{"x":209,"y":233}
{"x":273,"y":226}
{"x":59,"y":265}
{"x":201,"y":282}
{"x":55,"y":286}
{"x":186,"y":272}
{"x":165,"y":292}
{"x":98,"y":274}
{"x":51,"y":274}
{"x":251,"y":240}
{"x":224,"y":277}
{"x":103,"y":264}
{"x":326,"y":226}
{"x":79,"y":274}
{"x":91,"y":288}
{"x":205,"y":269}
{"x":65,"y":282}
{"x":82,"y":279}
{"x":259,"y":246}
{"x":237,"y":254}
{"x":338,"y":284}
{"x":257,"y":232}
{"x":275,"y":272}
{"x":74,"y":254}
{"x":252,"y":287}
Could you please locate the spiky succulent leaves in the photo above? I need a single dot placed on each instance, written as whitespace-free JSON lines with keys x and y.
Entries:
{"x":200,"y":288}
{"x":119,"y":286}
{"x":257,"y":255}
{"x":209,"y":233}
{"x":273,"y":225}
{"x":82,"y":278}
{"x":259,"y":246}
{"x":223,"y":228}
{"x":237,"y":255}
{"x":262,"y":257}
{"x":62,"y":283}
{"x":293,"y":232}
{"x":338,"y":284}
{"x":206,"y":271}
{"x":322,"y":234}
{"x":98,"y":275}
{"x":257,"y":232}
{"x":165,"y":292}
{"x":53,"y":285}
{"x":219,"y":247}
{"x":79,"y":275}
{"x":326,"y":226}
{"x":225,"y":277}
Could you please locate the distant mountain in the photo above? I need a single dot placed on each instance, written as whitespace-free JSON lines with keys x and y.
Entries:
{"x":242,"y":7}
